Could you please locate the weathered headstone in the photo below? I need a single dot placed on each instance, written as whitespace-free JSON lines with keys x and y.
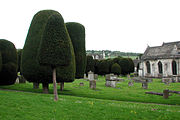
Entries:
{"x":92,"y":84}
{"x":81,"y":84}
{"x":96,"y":76}
{"x":145,"y":85}
{"x":166,"y":94}
{"x":22,"y":79}
{"x":130,"y":83}
{"x":90,"y":76}
{"x":84,"y":76}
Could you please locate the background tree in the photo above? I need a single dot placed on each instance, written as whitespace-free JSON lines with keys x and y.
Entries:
{"x":55,"y":48}
{"x":0,"y":61}
{"x":8,"y":73}
{"x":30,"y":67}
{"x":96,"y":64}
{"x":103,"y":67}
{"x":77,"y":35}
{"x":131,"y":65}
{"x":90,"y":64}
{"x":116,"y":69}
{"x":124,"y":64}
{"x":19,"y":53}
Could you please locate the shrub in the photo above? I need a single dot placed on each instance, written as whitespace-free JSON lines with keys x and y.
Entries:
{"x":77,"y":35}
{"x":89,"y":64}
{"x":131,"y":65}
{"x":31,"y":69}
{"x":124,"y":64}
{"x":116,"y":69}
{"x":103,"y":67}
{"x":8,"y":73}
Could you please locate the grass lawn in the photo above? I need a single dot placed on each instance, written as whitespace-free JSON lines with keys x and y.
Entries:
{"x":81,"y":103}
{"x":36,"y":106}
{"x":122,"y":92}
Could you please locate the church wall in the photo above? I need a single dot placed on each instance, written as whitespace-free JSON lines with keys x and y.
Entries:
{"x":154,"y":70}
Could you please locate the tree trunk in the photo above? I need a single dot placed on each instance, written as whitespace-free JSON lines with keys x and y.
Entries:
{"x":35,"y":85}
{"x":61,"y":86}
{"x":54,"y":84}
{"x":45,"y":88}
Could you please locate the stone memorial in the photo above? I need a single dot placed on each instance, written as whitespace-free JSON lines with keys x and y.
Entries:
{"x":90,"y":76}
{"x":145,"y":85}
{"x":130,"y":83}
{"x":92,"y":84}
{"x":165,"y":94}
{"x":96,"y":76}
{"x":81,"y":84}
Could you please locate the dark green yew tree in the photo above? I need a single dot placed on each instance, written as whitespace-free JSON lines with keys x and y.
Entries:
{"x":0,"y":62}
{"x":47,"y":30}
{"x":77,"y":35}
{"x":116,"y":69}
{"x":89,"y":64}
{"x":55,"y":48}
{"x":8,"y":63}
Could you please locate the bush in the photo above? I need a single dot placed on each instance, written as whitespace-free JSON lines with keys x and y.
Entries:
{"x":116,"y":69}
{"x":103,"y":67}
{"x":31,"y":69}
{"x":131,"y":65}
{"x":89,"y":64}
{"x":8,"y":73}
{"x":124,"y":64}
{"x":77,"y":35}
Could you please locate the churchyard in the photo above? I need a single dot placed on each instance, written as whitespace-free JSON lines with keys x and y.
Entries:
{"x":79,"y":101}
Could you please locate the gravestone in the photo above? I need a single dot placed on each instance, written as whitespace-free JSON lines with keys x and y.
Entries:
{"x":84,"y":76}
{"x":81,"y":84}
{"x":90,"y":76}
{"x":130,"y":83}
{"x":166,"y":94}
{"x":144,"y":85}
{"x":96,"y":76}
{"x":92,"y":84}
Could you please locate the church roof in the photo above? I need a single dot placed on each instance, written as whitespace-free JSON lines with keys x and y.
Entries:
{"x":167,"y":50}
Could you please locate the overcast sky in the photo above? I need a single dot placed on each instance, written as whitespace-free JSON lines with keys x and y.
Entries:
{"x":122,"y":25}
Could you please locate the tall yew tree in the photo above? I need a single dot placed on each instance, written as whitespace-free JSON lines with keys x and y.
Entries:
{"x":55,"y":48}
{"x":77,"y":35}
{"x":48,"y":46}
{"x":8,"y":62}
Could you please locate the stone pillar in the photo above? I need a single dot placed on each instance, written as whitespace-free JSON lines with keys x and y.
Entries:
{"x":165,"y":94}
{"x":92,"y":84}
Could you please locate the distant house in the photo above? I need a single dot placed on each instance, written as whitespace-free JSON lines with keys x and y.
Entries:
{"x":161,"y":61}
{"x":97,"y":56}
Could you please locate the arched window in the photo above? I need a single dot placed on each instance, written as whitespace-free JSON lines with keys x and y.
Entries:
{"x":160,"y":67}
{"x":148,"y":67}
{"x":174,"y":68}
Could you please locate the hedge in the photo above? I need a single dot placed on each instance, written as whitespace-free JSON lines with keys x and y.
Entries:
{"x":77,"y":35}
{"x":8,"y":73}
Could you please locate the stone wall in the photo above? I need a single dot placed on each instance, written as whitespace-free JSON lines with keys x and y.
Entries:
{"x":154,"y":71}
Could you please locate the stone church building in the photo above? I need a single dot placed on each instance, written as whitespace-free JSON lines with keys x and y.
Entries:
{"x":161,"y":61}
